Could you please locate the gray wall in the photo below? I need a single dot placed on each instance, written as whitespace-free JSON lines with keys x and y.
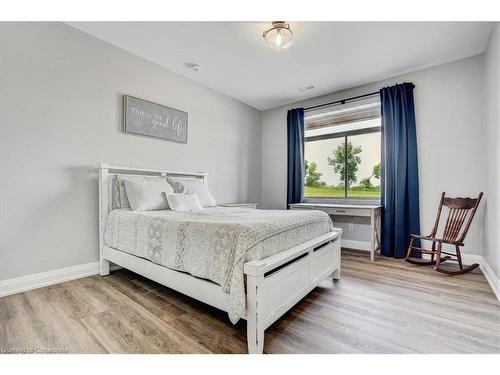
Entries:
{"x":492,"y":121}
{"x":61,"y":114}
{"x":450,"y":132}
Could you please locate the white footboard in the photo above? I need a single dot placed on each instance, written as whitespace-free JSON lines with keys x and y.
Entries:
{"x":277,"y":283}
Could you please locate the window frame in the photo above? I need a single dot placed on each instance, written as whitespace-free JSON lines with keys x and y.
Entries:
{"x":345,"y":198}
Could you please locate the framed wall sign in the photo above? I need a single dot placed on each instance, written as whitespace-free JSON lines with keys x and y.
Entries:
{"x":154,"y":120}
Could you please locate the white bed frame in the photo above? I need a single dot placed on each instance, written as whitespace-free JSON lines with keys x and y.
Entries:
{"x":274,"y":284}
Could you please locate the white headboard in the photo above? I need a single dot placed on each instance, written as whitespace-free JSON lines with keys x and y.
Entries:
{"x":107,"y":174}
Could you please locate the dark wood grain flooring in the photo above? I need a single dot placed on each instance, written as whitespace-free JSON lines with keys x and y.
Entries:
{"x":384,"y":307}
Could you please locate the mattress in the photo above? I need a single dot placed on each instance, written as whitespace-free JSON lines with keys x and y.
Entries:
{"x":213,"y":243}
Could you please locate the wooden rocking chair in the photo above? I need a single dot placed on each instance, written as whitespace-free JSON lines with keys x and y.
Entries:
{"x":461,"y":210}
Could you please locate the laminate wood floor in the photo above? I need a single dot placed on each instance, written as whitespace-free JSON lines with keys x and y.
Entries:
{"x":384,"y":307}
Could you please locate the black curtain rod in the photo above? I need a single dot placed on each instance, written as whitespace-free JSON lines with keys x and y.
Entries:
{"x":342,"y":101}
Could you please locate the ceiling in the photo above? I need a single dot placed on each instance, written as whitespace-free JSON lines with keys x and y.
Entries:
{"x":236,"y":61}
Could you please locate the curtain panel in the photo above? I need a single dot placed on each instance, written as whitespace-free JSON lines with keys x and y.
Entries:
{"x":400,"y":192}
{"x":295,"y":137}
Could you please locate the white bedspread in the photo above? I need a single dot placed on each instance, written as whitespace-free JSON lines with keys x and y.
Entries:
{"x":213,"y":243}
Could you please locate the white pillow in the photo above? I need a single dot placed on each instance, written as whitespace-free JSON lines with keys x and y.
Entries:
{"x":147,"y":194}
{"x":122,"y":194}
{"x":184,"y":202}
{"x":194,"y":186}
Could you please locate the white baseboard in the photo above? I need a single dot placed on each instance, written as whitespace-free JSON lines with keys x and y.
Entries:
{"x":493,"y":279}
{"x":357,"y":245}
{"x":39,"y":280}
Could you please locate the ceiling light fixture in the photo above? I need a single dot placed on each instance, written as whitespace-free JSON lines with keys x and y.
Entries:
{"x":279,"y":35}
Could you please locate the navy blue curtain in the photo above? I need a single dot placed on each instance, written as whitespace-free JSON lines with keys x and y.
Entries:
{"x":400,"y":196}
{"x":295,"y":136}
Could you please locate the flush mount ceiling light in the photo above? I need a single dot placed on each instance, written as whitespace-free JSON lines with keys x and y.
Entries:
{"x":279,"y":35}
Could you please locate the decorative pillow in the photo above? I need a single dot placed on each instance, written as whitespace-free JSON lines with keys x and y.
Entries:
{"x":122,"y":193}
{"x":184,"y":202}
{"x":178,"y":182}
{"x":188,"y":186}
{"x":116,"y":194}
{"x":147,"y":194}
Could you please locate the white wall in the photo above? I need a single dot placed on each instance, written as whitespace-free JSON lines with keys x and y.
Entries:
{"x":492,"y":122}
{"x":61,"y":113}
{"x":448,"y":105}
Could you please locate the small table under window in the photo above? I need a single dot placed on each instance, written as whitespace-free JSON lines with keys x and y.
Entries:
{"x":371,"y":211}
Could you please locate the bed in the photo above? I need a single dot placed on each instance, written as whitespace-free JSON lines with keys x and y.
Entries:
{"x":253,"y":264}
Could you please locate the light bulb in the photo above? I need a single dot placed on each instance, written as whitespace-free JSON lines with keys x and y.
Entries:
{"x":279,"y":39}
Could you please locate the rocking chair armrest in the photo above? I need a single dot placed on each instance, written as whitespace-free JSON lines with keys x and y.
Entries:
{"x":434,"y":239}
{"x":429,"y":238}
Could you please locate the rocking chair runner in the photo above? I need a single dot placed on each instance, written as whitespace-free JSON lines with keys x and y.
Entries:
{"x":461,"y":210}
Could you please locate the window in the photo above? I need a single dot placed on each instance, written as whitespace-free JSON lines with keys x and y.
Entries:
{"x":331,"y":172}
